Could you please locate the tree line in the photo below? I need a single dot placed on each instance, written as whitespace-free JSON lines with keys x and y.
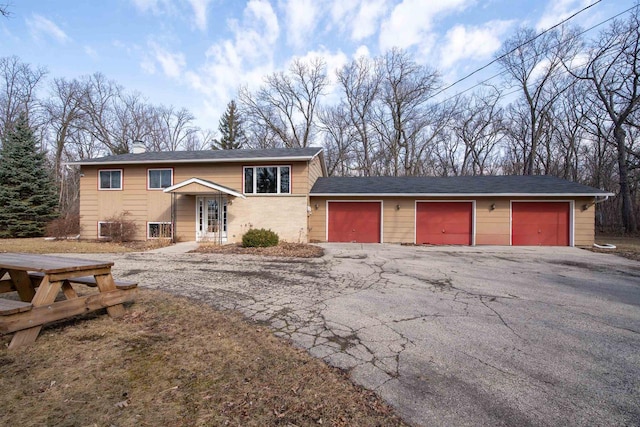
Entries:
{"x":562,"y":104}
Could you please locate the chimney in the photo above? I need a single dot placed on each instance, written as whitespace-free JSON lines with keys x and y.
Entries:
{"x":138,"y":147}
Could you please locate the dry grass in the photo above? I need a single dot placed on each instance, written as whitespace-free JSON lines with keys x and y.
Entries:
{"x":42,"y":246}
{"x":297,"y":250}
{"x":176,"y":363}
{"x":626,"y":246}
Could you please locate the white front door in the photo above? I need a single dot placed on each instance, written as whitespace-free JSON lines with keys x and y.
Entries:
{"x":211,"y":219}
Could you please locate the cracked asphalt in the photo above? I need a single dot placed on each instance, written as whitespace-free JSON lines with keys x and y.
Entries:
{"x":447,"y":335}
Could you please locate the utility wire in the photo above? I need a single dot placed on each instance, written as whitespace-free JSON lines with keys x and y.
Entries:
{"x":518,"y":47}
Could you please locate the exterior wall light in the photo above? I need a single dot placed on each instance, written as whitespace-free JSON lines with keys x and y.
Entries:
{"x":492,"y":207}
{"x":397,"y":207}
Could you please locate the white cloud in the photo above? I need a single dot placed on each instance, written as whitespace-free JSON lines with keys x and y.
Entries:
{"x":301,"y":19}
{"x":362,"y":50}
{"x":366,"y":22}
{"x":91,"y":52}
{"x":243,"y":59}
{"x":40,"y":26}
{"x":558,"y":10}
{"x":172,"y":64}
{"x":411,"y":21}
{"x":200,"y":13}
{"x":475,"y":43}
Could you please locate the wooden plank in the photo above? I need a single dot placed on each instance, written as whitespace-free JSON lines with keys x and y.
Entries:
{"x":68,"y":290}
{"x":48,"y":263}
{"x":22,"y":322}
{"x":22,"y":284}
{"x":8,"y":306}
{"x":106,"y":284}
{"x":6,"y":285}
{"x":79,"y":273}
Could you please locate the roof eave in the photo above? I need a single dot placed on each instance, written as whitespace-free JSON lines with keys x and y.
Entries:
{"x":239,"y":160}
{"x":462,"y":194}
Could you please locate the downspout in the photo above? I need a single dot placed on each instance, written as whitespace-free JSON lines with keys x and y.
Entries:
{"x":595,"y":202}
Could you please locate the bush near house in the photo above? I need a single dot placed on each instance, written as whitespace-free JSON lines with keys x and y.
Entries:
{"x":65,"y":226}
{"x":259,"y":238}
{"x":119,"y":228}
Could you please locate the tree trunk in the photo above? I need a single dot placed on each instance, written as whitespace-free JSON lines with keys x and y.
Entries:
{"x":628,"y":217}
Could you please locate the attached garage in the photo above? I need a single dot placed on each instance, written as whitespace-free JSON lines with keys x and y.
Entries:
{"x":540,"y":223}
{"x":444,"y":223}
{"x":358,"y":222}
{"x":458,"y":210}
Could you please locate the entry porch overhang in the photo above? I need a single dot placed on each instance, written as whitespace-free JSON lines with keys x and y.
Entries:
{"x":199,"y":187}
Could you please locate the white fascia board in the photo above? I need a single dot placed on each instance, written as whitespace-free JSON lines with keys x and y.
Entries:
{"x":239,"y":160}
{"x":460,"y":194}
{"x":205,"y":184}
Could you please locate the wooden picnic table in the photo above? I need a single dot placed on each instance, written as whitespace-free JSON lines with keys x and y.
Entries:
{"x":38,"y":279}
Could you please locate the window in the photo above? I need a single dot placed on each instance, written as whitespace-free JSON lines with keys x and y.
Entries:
{"x":267,"y":180}
{"x":159,"y":179}
{"x":157,"y":230}
{"x":110,"y":179}
{"x":105,"y":229}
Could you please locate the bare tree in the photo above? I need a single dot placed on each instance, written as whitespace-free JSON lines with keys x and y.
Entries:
{"x":613,"y":71}
{"x":339,"y":140}
{"x":479,"y":125}
{"x":533,"y":64}
{"x":405,"y":123}
{"x":172,"y":129}
{"x":286,"y":103}
{"x":360,"y":83}
{"x":18,"y":84}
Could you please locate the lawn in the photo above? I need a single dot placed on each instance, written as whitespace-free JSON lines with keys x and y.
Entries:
{"x":173,"y":362}
{"x":39,"y":245}
{"x":626,"y":246}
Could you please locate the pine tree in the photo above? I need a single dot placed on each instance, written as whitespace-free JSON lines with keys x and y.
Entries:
{"x":28,"y":198}
{"x":230,"y":126}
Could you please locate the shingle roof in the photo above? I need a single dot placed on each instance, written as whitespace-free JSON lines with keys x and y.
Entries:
{"x":206,"y":156}
{"x":456,"y":185}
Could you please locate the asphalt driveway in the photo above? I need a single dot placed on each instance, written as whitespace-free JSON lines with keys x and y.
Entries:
{"x":448,"y":336}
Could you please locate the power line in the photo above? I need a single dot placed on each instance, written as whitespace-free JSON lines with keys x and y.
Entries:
{"x":518,"y":47}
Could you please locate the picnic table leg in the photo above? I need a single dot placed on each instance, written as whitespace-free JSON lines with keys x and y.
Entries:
{"x":23,"y":285}
{"x":105,"y":283}
{"x":45,"y":295}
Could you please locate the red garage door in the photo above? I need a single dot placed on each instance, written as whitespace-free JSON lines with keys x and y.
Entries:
{"x":540,"y":223}
{"x":354,"y":222}
{"x":444,"y":223}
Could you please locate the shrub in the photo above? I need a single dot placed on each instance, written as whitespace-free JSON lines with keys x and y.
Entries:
{"x":119,"y":228}
{"x":65,"y":226}
{"x":259,"y":238}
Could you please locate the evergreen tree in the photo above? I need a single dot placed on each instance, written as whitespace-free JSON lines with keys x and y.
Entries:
{"x":27,"y":195}
{"x":230,"y":127}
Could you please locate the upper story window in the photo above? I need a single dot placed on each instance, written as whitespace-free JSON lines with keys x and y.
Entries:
{"x":110,"y":179}
{"x":159,"y":178}
{"x":267,"y":180}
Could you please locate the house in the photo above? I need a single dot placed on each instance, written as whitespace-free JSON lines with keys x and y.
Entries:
{"x":219,"y":195}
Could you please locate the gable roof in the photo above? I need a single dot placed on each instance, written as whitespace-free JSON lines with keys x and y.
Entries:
{"x":504,"y":185}
{"x":206,"y":156}
{"x":204,"y":183}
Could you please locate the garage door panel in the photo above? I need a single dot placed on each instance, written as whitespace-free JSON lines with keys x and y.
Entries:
{"x":354,"y":222}
{"x":540,"y":223}
{"x":444,"y":223}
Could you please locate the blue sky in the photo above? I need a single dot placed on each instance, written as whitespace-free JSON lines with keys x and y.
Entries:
{"x":195,"y":53}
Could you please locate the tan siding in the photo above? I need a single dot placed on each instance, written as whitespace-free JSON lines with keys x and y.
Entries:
{"x":492,"y":225}
{"x":155,"y":206}
{"x":315,"y":171}
{"x":584,"y":222}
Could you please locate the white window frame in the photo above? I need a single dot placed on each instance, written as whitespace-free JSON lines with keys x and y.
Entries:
{"x":149,"y":187}
{"x":100,"y":223}
{"x":111,"y":189}
{"x":255,"y":179}
{"x":159,"y":223}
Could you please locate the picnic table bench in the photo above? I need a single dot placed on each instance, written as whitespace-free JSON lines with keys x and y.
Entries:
{"x":38,"y":279}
